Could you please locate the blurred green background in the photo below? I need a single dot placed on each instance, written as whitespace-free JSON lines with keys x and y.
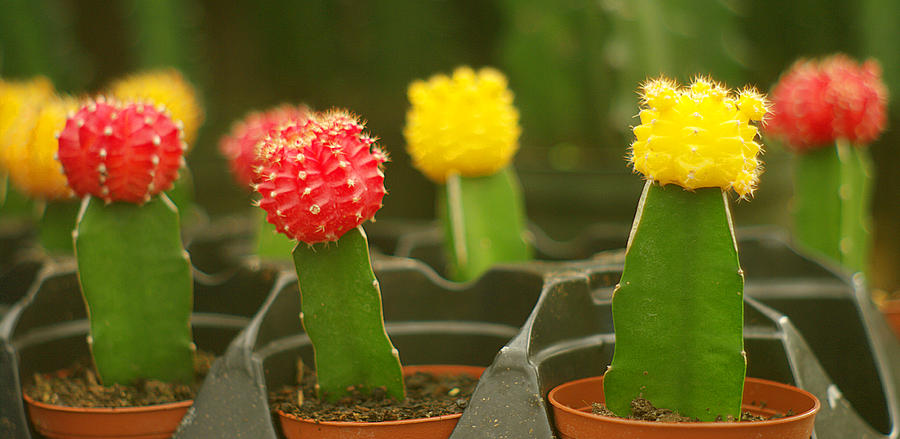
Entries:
{"x":574,"y":66}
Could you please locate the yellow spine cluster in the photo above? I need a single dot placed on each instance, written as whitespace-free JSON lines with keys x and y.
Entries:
{"x":699,"y":136}
{"x":463,"y":124}
{"x":33,"y":166}
{"x":166,"y":87}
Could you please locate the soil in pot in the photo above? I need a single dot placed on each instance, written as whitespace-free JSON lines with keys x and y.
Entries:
{"x":644,"y":410}
{"x":428,"y":395}
{"x":78,"y":386}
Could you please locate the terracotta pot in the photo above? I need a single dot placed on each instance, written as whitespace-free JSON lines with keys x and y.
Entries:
{"x":891,"y":311}
{"x":421,"y":428}
{"x":150,"y":422}
{"x":571,"y":410}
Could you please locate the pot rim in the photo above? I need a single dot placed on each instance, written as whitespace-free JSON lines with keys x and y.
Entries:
{"x":692,"y":425}
{"x":105,"y":410}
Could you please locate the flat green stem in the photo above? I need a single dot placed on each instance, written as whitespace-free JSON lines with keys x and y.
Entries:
{"x":341,"y":303}
{"x":484,"y":223}
{"x":832,"y":201}
{"x":137,"y":284}
{"x":56,"y":225}
{"x":271,"y":245}
{"x":678,"y":309}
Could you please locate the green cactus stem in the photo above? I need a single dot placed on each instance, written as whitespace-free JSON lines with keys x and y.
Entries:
{"x":56,"y":224}
{"x":271,"y":245}
{"x":832,"y":197}
{"x":484,"y":223}
{"x":341,"y":312}
{"x":678,"y":309}
{"x":136,"y":281}
{"x":12,"y":203}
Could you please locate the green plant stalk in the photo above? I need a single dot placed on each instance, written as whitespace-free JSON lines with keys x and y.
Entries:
{"x":12,"y":203}
{"x":341,"y":312}
{"x":271,"y":245}
{"x":137,"y":284}
{"x":678,"y":309}
{"x":484,"y":223}
{"x":181,"y":194}
{"x":56,"y":224}
{"x":832,"y":200}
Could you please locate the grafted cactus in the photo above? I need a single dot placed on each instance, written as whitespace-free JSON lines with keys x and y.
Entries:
{"x":319,"y":180}
{"x":827,"y":112}
{"x":462,"y":132}
{"x":678,"y":309}
{"x":134,"y":273}
{"x":240,"y":147}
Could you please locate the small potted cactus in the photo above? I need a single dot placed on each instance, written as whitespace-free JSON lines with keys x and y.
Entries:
{"x":827,"y":112}
{"x":239,"y":147}
{"x":678,"y":308}
{"x":462,"y":132}
{"x":134,"y":274}
{"x":318,"y":181}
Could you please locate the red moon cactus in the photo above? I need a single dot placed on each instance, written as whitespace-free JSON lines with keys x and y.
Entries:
{"x":240,"y":145}
{"x":320,"y":178}
{"x":121,"y":152}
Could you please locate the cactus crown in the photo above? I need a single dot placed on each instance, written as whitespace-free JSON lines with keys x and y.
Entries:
{"x":240,"y":145}
{"x":465,"y":124}
{"x":33,"y":166}
{"x":700,"y":136}
{"x":816,"y":103}
{"x":121,"y":152}
{"x":169,"y":88}
{"x":320,"y":178}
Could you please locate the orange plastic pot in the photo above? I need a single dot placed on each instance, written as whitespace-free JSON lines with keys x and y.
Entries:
{"x":891,"y":311}
{"x":149,"y":422}
{"x":421,"y":428}
{"x":571,"y":410}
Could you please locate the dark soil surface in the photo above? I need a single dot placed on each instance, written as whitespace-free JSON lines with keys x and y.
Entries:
{"x":427,"y":395}
{"x":643,"y":410}
{"x":78,"y":386}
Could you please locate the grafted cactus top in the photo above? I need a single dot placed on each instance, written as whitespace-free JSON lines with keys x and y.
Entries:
{"x":240,"y":145}
{"x":816,"y":103}
{"x":465,"y":124}
{"x":698,"y":137}
{"x":166,"y":87}
{"x":20,"y":102}
{"x":32,"y":165}
{"x":121,"y":152}
{"x":320,"y":178}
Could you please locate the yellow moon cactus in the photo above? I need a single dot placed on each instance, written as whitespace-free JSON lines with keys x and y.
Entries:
{"x":166,"y":87}
{"x":698,"y":137}
{"x":33,"y":166}
{"x":20,"y":102}
{"x":463,"y":124}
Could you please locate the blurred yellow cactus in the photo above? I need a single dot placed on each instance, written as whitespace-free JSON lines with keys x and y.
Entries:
{"x":32,"y":165}
{"x":699,"y":136}
{"x":20,"y":102}
{"x":463,"y":124}
{"x":166,"y":87}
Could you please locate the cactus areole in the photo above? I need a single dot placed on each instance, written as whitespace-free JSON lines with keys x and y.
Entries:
{"x":678,"y":308}
{"x":121,"y":152}
{"x":320,"y":178}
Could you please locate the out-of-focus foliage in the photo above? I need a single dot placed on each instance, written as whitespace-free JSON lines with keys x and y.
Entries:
{"x":574,"y":65}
